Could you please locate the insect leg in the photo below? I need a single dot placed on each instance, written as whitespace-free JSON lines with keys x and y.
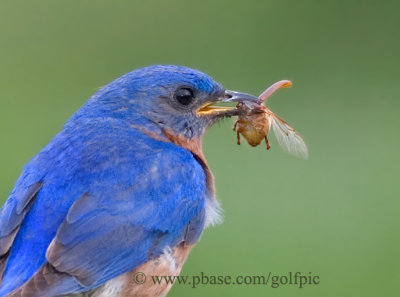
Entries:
{"x":267,"y":143}
{"x":235,"y":125}
{"x":238,"y":137}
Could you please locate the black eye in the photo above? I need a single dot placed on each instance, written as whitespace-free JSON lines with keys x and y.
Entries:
{"x":184,"y":96}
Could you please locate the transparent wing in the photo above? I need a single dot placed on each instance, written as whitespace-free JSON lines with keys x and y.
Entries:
{"x":287,"y":137}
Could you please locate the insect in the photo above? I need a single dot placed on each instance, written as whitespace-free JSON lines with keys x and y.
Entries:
{"x":258,"y":120}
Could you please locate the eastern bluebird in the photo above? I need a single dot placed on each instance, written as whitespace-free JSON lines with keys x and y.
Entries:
{"x":124,"y":187}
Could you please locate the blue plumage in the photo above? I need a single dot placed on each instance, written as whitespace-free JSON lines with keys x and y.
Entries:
{"x":111,"y":190}
{"x":123,"y":181}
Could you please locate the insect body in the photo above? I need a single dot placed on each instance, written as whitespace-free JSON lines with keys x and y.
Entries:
{"x":255,"y":124}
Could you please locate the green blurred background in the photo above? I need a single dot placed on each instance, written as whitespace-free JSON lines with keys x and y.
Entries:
{"x":335,"y":215}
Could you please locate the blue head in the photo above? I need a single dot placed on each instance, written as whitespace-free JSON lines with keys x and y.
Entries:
{"x":163,"y":98}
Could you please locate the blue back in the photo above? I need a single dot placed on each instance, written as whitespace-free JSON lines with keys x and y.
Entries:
{"x":117,"y":177}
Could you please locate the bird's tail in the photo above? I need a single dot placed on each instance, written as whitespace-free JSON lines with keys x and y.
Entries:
{"x":46,"y":282}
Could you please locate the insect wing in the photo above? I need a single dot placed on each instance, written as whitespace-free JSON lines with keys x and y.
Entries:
{"x":287,"y":137}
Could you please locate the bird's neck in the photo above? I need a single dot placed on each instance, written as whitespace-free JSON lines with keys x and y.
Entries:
{"x":194,"y":145}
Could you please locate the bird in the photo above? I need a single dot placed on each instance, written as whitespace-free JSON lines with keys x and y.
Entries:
{"x":124,"y":188}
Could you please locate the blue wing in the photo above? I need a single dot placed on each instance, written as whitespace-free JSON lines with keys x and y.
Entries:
{"x":12,"y":215}
{"x":104,"y":211}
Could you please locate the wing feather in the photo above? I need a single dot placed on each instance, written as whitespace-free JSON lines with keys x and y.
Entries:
{"x":11,"y":217}
{"x":112,"y":231}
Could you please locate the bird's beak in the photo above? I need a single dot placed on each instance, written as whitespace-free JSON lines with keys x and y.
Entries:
{"x":229,"y":96}
{"x":233,"y":96}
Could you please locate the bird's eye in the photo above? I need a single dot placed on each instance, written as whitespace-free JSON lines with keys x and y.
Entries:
{"x":184,"y":96}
